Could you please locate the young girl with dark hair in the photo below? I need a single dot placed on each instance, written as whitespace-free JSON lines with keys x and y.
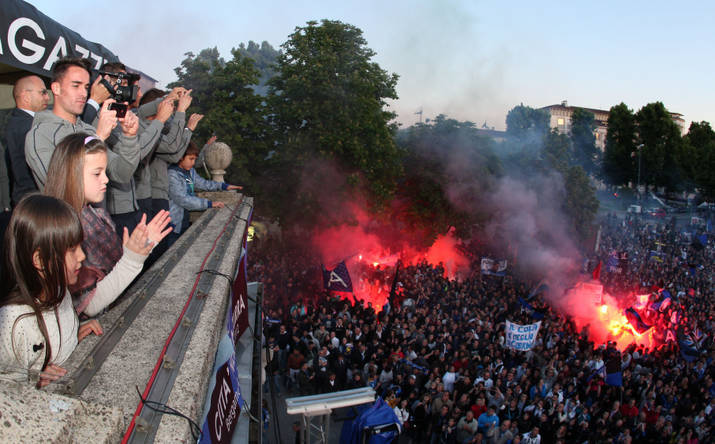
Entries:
{"x":77,"y":175}
{"x":39,"y":328}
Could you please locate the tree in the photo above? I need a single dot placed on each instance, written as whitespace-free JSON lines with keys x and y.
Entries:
{"x":700,"y":145}
{"x":583,"y":123}
{"x":662,"y":146}
{"x":557,"y":151}
{"x":264,"y":59}
{"x":618,"y":164}
{"x":448,"y":168}
{"x":223,"y":92}
{"x":581,"y":203}
{"x":328,"y":102}
{"x":526,"y":128}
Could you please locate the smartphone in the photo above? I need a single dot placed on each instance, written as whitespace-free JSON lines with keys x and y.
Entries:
{"x":120,"y":108}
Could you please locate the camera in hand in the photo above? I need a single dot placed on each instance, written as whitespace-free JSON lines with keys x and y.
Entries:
{"x":122,"y":85}
{"x":120,"y":108}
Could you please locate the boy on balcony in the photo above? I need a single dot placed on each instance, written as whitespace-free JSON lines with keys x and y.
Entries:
{"x":183,"y":180}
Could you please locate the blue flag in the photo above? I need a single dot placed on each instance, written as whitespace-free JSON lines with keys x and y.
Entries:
{"x":530,"y":309}
{"x":541,"y":287}
{"x":663,"y":303}
{"x":689,"y":349}
{"x":635,"y":320}
{"x":337,"y":279}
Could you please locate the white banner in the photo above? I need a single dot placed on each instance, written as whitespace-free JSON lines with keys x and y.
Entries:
{"x":492,"y":267}
{"x":521,"y":337}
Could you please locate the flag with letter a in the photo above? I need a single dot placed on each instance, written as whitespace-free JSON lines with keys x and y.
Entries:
{"x":337,"y":279}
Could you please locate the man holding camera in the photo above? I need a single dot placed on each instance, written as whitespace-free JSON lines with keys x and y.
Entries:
{"x":70,"y":82}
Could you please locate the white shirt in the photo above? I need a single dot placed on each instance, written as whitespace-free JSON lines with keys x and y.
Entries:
{"x":22,"y":346}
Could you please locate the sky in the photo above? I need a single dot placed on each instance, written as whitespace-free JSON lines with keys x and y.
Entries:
{"x":470,"y":60}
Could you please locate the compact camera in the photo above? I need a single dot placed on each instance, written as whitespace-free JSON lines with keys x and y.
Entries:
{"x":122,"y":86}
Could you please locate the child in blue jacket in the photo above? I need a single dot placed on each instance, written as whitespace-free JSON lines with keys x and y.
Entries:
{"x":183,"y":180}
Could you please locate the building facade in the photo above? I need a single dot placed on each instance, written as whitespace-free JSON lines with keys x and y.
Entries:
{"x":561,"y":120}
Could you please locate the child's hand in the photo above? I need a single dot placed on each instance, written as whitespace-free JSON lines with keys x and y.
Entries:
{"x":51,"y":373}
{"x":217,"y":205}
{"x":88,"y":328}
{"x":138,"y":242}
{"x":234,"y":187}
{"x":157,"y":227}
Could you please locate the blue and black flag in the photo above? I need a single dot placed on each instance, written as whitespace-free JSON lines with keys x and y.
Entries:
{"x":337,"y":279}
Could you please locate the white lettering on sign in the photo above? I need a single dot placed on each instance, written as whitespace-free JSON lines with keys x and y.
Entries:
{"x":60,"y":50}
{"x":37,"y":50}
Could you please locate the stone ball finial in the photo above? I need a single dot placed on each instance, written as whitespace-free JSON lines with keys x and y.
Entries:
{"x":218,"y":157}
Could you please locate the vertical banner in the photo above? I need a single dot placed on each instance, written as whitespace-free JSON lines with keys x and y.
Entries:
{"x":225,"y":402}
{"x":521,"y":337}
{"x":238,"y":313}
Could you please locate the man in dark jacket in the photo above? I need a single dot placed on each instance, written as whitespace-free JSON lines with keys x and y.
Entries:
{"x":31,"y":96}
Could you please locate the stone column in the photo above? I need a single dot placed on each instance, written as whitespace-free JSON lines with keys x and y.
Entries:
{"x":218,"y":157}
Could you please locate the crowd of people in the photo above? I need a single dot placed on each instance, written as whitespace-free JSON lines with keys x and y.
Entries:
{"x":441,"y":362}
{"x":87,"y":204}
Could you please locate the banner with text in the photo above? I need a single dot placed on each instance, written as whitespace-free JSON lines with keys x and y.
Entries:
{"x":521,"y":337}
{"x":224,"y":402}
{"x":32,"y":41}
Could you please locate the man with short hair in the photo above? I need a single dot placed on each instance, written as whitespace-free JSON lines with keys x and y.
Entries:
{"x":532,"y":437}
{"x":70,"y":81}
{"x":31,"y":96}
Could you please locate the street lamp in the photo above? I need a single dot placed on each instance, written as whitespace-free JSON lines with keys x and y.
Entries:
{"x":639,"y":148}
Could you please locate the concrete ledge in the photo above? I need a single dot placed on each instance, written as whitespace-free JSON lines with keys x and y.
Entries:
{"x":31,"y":415}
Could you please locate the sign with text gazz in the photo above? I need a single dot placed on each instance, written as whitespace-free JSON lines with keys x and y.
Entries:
{"x":238,"y":316}
{"x":29,"y":40}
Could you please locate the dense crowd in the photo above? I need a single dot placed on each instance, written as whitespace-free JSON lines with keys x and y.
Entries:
{"x":440,"y":359}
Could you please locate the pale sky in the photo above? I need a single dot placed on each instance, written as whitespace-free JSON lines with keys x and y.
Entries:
{"x":472,"y":60}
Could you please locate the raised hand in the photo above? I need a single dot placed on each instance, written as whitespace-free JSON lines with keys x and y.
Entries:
{"x":107,"y":120}
{"x":194,"y":120}
{"x":157,"y":227}
{"x":184,"y":101}
{"x":130,"y":124}
{"x":138,"y":242}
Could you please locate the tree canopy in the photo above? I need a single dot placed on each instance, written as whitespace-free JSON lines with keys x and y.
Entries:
{"x":328,"y":102}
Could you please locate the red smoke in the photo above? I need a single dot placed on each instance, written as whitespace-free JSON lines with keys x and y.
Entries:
{"x":371,"y":260}
{"x":603,"y":316}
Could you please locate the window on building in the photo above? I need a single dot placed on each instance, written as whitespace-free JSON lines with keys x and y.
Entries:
{"x":560,"y":121}
{"x":597,"y":136}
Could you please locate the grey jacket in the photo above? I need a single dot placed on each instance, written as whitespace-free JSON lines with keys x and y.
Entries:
{"x":168,"y":143}
{"x":48,"y":130}
{"x":175,"y":148}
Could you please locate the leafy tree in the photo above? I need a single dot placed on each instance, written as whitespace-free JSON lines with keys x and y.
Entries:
{"x":583,"y":123}
{"x":329,"y":102}
{"x":581,"y":203}
{"x":448,"y":168}
{"x":264,"y":59}
{"x":618,"y":164}
{"x":526,"y":127}
{"x":232,"y":112}
{"x":557,"y":151}
{"x":700,"y":143}
{"x":662,"y":146}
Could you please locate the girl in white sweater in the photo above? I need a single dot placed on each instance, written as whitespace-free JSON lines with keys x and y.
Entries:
{"x":39,"y":328}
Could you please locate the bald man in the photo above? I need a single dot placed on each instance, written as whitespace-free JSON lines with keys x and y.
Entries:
{"x":31,"y":96}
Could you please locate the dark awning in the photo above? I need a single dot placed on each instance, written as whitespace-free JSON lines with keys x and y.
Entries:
{"x":30,"y":41}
